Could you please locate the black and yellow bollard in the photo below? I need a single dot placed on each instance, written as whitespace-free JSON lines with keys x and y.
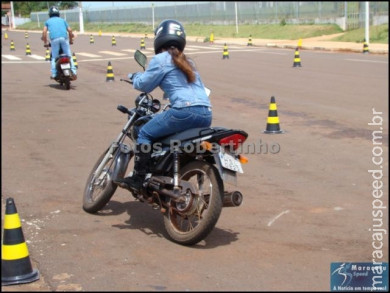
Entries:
{"x":110,"y":73}
{"x":225,"y":54}
{"x":297,"y":59}
{"x":12,"y":46}
{"x":75,"y":61}
{"x":91,"y":39}
{"x":26,"y":35}
{"x":16,"y":267}
{"x":142,"y":46}
{"x":113,"y":41}
{"x":28,"y":50}
{"x":47,"y":56}
{"x":273,"y":119}
{"x":250,"y":41}
{"x":365,"y":47}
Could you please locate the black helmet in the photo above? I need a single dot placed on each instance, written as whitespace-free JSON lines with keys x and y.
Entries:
{"x":169,"y":33}
{"x":53,"y":11}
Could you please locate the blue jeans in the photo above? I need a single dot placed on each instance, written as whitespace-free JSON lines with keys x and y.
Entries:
{"x":174,"y":120}
{"x":56,"y":45}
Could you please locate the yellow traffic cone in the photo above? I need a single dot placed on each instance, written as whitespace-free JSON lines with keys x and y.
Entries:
{"x":91,"y":40}
{"x":47,"y":56}
{"x":273,"y":119}
{"x":110,"y":73}
{"x":365,"y":47}
{"x":299,"y":43}
{"x":100,"y":33}
{"x":225,"y":54}
{"x":5,"y":36}
{"x":75,"y":61}
{"x":28,"y":50}
{"x":142,"y":44}
{"x":16,"y":266}
{"x":297,"y":59}
{"x":12,"y":46}
{"x":250,"y":41}
{"x":113,"y":42}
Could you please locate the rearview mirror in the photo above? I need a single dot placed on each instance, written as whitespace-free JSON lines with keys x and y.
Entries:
{"x":140,"y":58}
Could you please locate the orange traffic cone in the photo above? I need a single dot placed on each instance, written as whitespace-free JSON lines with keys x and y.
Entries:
{"x":16,"y":266}
{"x":273,"y":119}
{"x":110,"y":73}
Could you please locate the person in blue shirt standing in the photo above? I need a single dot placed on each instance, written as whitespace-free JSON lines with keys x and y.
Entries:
{"x":176,"y":75}
{"x":61,"y":37}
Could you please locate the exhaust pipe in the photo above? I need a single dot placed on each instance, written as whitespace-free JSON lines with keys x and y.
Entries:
{"x":232,"y":199}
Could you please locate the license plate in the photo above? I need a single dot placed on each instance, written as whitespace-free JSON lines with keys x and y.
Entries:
{"x":65,"y":66}
{"x":230,"y":162}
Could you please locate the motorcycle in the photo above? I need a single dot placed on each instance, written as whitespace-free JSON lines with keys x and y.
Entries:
{"x":64,"y":73}
{"x":188,"y":171}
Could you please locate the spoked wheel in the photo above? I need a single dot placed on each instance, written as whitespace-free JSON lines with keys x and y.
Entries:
{"x":99,"y":188}
{"x":191,"y":221}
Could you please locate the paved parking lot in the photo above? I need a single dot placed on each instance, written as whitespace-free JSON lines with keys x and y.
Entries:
{"x":308,"y":193}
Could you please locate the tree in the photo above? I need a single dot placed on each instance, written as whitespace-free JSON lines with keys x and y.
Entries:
{"x":24,"y":8}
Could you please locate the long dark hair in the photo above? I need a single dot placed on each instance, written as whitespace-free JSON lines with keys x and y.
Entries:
{"x":183,"y":63}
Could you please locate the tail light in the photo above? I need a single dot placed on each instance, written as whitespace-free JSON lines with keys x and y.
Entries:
{"x":234,"y":141}
{"x":64,"y":60}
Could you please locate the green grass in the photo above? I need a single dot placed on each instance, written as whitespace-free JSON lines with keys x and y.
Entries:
{"x":378,"y":34}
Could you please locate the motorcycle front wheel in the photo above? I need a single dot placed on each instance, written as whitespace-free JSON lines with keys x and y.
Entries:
{"x":190,"y":222}
{"x":99,"y":188}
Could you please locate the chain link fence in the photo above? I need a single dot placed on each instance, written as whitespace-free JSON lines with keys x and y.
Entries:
{"x":346,"y":14}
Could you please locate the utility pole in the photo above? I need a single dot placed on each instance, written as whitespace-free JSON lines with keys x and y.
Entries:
{"x":12,"y":24}
{"x":367,"y":34}
{"x":153,"y":15}
{"x":235,"y":6}
{"x":81,"y":20}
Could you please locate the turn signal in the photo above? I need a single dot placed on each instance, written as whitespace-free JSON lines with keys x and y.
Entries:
{"x":243,"y":159}
{"x":206,"y":145}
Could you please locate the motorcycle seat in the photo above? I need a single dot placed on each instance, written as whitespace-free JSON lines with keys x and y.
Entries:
{"x":191,"y":134}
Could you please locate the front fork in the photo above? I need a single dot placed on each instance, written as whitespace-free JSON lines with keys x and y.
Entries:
{"x":122,"y":153}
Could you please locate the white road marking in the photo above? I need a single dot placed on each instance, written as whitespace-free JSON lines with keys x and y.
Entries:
{"x":37,"y":57}
{"x":362,"y":60}
{"x":11,"y":57}
{"x":277,"y":217}
{"x":88,"y":55}
{"x":112,"y":53}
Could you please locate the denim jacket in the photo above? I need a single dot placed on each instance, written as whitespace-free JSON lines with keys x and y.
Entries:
{"x":163,"y":72}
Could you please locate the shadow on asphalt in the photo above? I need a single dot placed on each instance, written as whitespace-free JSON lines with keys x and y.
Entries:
{"x":144,"y":218}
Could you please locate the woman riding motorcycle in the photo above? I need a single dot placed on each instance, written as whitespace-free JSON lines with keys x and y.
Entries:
{"x":176,"y":75}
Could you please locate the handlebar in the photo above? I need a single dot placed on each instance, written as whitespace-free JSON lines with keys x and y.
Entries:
{"x":128,"y":81}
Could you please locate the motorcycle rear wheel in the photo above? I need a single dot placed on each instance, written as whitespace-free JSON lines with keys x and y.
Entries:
{"x":99,"y":188}
{"x":67,"y":83}
{"x":191,"y":226}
